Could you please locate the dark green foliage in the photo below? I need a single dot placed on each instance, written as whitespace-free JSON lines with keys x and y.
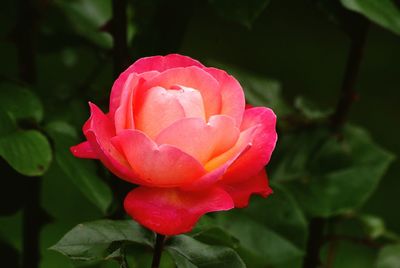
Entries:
{"x":289,"y":57}
{"x":383,"y":12}
{"x":243,"y":12}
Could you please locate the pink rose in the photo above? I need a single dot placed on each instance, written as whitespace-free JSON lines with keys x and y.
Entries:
{"x":181,"y":132}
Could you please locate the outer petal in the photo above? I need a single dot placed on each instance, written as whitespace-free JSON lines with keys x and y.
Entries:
{"x":123,"y":118}
{"x":218,"y":165}
{"x":162,"y":63}
{"x":243,"y":144}
{"x":99,"y":131}
{"x":161,"y":166}
{"x":200,"y":139}
{"x":172,"y":211}
{"x":233,"y":101}
{"x":241,"y":191}
{"x":83,"y":150}
{"x":251,"y":162}
{"x":119,"y":85}
{"x":195,"y":78}
{"x":147,"y":67}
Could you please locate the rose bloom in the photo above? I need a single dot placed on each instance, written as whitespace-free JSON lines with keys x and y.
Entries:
{"x":181,"y":132}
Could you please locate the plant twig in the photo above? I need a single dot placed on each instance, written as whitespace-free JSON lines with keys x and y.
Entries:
{"x":346,"y":99}
{"x":32,"y":215}
{"x":358,"y":240}
{"x":348,"y":93}
{"x":119,"y":33}
{"x":158,"y":251}
{"x":315,"y":241}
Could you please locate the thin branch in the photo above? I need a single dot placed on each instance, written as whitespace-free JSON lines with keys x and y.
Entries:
{"x":348,"y":93}
{"x":358,"y":240}
{"x":119,"y":33}
{"x":346,"y":99}
{"x":32,"y":214}
{"x":25,"y":40}
{"x":315,"y":241}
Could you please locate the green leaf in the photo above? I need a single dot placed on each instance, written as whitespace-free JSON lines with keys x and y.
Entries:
{"x":328,"y":176}
{"x":373,"y":225}
{"x":97,"y":240}
{"x":389,"y":257}
{"x":261,"y":91}
{"x":86,"y":17}
{"x":28,"y":152}
{"x":383,"y":12}
{"x":216,"y":236}
{"x":190,"y":253}
{"x":20,"y":102}
{"x":310,"y":110}
{"x":7,"y":124}
{"x":60,"y":197}
{"x":80,"y":171}
{"x":11,"y":230}
{"x":280,"y":213}
{"x":259,"y":241}
{"x":243,"y":12}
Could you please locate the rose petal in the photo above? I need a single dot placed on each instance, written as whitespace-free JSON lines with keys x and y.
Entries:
{"x":241,"y":191}
{"x":148,"y":67}
{"x":161,"y":166}
{"x":99,"y":131}
{"x":172,"y":211}
{"x":242,"y":145}
{"x":83,"y":150}
{"x":200,"y":139}
{"x":191,"y":101}
{"x":251,"y":162}
{"x":192,"y":77}
{"x":162,"y":63}
{"x":232,"y":96}
{"x":156,"y":109}
{"x":119,"y":85}
{"x":124,"y":118}
{"x":218,"y":165}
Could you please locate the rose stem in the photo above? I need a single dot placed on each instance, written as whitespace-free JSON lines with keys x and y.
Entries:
{"x":348,"y":93}
{"x":158,"y":251}
{"x":121,"y":58}
{"x":338,"y":119}
{"x":119,"y":33}
{"x":25,"y":32}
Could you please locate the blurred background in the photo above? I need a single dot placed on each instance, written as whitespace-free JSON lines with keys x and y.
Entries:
{"x":339,"y":190}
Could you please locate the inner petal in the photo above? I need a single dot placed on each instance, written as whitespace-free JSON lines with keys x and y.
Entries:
{"x":200,"y":139}
{"x":192,"y":77}
{"x":190,"y":99}
{"x":159,"y":109}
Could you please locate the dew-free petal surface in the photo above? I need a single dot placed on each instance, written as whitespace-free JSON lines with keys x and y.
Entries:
{"x":171,"y":211}
{"x":124,"y":118}
{"x":254,"y":159}
{"x":162,"y":166}
{"x":83,"y":150}
{"x":162,"y":63}
{"x":119,"y":85}
{"x":156,"y":109}
{"x":99,"y":131}
{"x":241,"y":191}
{"x":232,"y":96}
{"x":192,"y":77}
{"x":200,"y":139}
